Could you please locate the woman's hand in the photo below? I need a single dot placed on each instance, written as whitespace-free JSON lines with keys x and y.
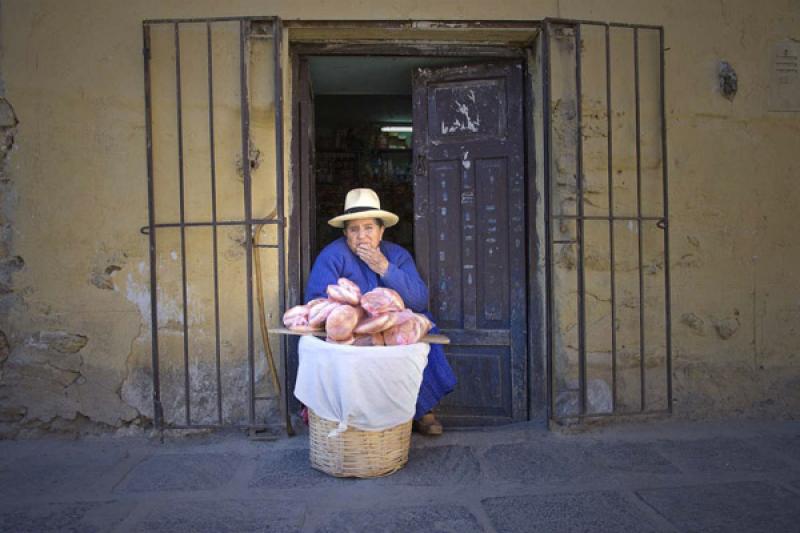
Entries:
{"x":374,"y":258}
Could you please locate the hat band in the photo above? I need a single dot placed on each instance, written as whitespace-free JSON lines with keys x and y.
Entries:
{"x":359,"y":209}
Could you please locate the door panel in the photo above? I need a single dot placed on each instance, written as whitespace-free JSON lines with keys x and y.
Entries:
{"x":467,"y":109}
{"x":482,"y":371}
{"x":447,"y":292}
{"x":491,"y":182}
{"x":469,"y":232}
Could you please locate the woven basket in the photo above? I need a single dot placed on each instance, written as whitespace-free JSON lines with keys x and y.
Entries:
{"x":355,"y":452}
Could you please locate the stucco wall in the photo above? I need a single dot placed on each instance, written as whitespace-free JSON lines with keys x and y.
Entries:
{"x":74,"y":195}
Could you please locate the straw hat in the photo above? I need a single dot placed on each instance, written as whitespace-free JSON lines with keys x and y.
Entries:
{"x":363,"y":203}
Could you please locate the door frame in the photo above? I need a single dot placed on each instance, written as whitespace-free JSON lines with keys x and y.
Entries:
{"x":301,"y":182}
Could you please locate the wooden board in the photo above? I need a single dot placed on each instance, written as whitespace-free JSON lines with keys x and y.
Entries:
{"x":430,"y":339}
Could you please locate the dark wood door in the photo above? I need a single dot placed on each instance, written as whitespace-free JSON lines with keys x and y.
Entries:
{"x":469,"y":232}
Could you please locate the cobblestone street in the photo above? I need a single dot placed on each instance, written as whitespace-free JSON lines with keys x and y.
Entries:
{"x":658,"y":476}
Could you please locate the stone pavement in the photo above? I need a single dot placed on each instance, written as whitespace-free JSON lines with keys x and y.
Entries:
{"x":659,"y":476}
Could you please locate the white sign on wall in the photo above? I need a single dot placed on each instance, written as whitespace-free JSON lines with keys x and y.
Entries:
{"x":784,"y":83}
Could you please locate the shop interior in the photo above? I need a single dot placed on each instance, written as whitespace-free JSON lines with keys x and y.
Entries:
{"x":364,"y":136}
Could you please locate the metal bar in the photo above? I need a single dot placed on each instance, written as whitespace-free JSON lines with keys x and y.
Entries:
{"x":600,"y":217}
{"x":213,"y":166}
{"x":158,"y":421}
{"x":206,"y":19}
{"x":548,"y":147}
{"x":212,"y":426}
{"x":183,"y":229}
{"x":579,"y":226}
{"x":665,"y":183}
{"x":572,"y":22}
{"x":643,"y":404}
{"x":277,"y":36}
{"x":590,"y":416}
{"x":146,"y":229}
{"x":612,"y":260}
{"x":248,"y":211}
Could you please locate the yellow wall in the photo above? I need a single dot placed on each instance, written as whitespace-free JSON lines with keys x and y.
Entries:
{"x":77,"y":196}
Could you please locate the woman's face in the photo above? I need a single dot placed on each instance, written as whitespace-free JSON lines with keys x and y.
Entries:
{"x":363,"y":231}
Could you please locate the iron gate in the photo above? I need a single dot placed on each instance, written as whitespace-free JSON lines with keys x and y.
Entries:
{"x":608,"y":282}
{"x":205,"y":115}
{"x":608,"y":325}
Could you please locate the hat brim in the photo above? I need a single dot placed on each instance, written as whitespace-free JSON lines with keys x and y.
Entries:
{"x":389,"y":219}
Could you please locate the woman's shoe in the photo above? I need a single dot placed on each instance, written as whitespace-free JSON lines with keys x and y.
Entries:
{"x":428,"y":425}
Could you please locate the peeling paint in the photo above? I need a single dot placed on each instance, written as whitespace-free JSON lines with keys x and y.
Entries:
{"x":139,"y":295}
{"x":466,"y":123}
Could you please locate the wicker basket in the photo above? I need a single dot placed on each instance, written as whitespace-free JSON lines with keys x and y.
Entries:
{"x":355,"y":452}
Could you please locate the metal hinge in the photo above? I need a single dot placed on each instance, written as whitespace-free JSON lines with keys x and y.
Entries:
{"x":421,"y":166}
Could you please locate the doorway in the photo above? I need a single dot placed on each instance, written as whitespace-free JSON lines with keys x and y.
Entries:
{"x":441,"y":139}
{"x":363,"y":136}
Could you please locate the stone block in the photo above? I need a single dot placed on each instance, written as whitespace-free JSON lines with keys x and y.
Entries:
{"x":181,"y":472}
{"x":428,"y":519}
{"x":598,"y":396}
{"x":102,"y":405}
{"x":436,"y":465}
{"x":567,"y":403}
{"x":60,"y":341}
{"x":535,"y":463}
{"x":12,"y":413}
{"x":290,"y":469}
{"x":726,"y":327}
{"x":720,"y":455}
{"x":8,"y":119}
{"x":44,"y":479}
{"x":239,"y":516}
{"x":57,"y":517}
{"x":4,"y":347}
{"x":589,"y":511}
{"x":744,"y":506}
{"x":630,"y":457}
{"x":41,"y":388}
{"x":137,"y":390}
{"x":38,"y":471}
{"x":788,"y":445}
{"x":694,"y":323}
{"x":33,"y":355}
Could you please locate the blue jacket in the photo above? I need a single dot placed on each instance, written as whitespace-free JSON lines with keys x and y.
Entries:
{"x":336,"y":261}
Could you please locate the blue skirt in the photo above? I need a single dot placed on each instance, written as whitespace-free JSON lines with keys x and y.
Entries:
{"x":437,"y":381}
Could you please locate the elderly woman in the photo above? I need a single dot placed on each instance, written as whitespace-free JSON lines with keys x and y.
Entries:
{"x":363,"y":257}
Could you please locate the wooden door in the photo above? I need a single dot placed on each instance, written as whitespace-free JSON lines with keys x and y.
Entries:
{"x":469,"y":203}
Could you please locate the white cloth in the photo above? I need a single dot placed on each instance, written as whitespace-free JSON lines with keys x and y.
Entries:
{"x":369,"y":387}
